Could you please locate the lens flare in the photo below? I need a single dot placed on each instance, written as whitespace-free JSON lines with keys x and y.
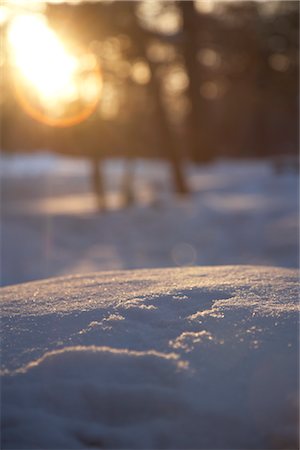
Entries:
{"x":51,"y":84}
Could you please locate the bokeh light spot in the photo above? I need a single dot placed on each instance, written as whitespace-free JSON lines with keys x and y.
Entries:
{"x":209,"y":90}
{"x":279,"y":62}
{"x":205,"y":6}
{"x":209,"y":58}
{"x":184,"y":254}
{"x":160,"y":52}
{"x":140,"y":72}
{"x":162,"y":17}
{"x":176,"y":80}
{"x":110,"y":103}
{"x":212,"y":90}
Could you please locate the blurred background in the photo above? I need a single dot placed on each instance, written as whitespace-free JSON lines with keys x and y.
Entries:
{"x":153,"y":133}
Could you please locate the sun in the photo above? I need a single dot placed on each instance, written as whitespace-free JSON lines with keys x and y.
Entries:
{"x":41,"y":57}
{"x":53,"y":85}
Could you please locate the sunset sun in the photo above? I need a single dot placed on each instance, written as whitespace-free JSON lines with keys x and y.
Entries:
{"x":45,"y":69}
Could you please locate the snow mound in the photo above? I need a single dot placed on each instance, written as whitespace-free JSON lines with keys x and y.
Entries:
{"x":167,"y":358}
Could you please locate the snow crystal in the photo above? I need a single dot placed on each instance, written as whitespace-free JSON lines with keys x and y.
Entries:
{"x":167,"y":358}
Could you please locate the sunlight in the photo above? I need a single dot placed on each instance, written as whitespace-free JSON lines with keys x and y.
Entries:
{"x":4,"y":14}
{"x":54,"y":76}
{"x":43,"y":62}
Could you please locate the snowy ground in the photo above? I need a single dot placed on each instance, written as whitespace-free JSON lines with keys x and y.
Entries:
{"x":189,"y":358}
{"x":240,"y":212}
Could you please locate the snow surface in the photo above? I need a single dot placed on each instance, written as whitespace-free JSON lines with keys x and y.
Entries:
{"x":239,"y":212}
{"x":190,"y":358}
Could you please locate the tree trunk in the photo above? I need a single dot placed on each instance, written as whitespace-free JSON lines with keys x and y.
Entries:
{"x":97,"y":182}
{"x":200,"y":148}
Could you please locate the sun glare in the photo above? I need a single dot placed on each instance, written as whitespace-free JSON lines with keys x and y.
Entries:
{"x":40,"y":56}
{"x":45,"y":67}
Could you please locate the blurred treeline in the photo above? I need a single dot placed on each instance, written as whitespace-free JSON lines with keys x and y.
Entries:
{"x":196,"y":79}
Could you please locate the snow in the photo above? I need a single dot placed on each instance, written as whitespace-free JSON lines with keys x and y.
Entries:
{"x":195,"y":357}
{"x":200,"y":356}
{"x":239,"y":212}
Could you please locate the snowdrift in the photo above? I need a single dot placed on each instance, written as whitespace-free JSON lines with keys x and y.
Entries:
{"x":202,"y":358}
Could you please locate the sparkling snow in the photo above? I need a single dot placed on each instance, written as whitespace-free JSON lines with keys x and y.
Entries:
{"x":198,"y":357}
